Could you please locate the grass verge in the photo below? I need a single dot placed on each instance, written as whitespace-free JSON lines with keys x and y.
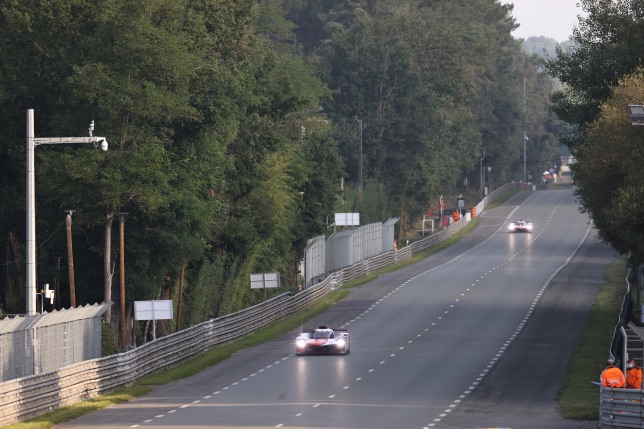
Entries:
{"x":579,"y":399}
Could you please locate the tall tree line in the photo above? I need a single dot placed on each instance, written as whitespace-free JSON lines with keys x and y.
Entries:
{"x":439,"y":85}
{"x":232,"y":124}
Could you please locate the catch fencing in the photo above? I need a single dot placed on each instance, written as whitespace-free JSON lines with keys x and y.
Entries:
{"x":346,"y":248}
{"x":31,"y":396}
{"x":45,"y":342}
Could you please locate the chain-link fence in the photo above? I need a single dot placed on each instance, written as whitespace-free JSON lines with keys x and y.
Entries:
{"x":38,"y":344}
{"x":346,"y":248}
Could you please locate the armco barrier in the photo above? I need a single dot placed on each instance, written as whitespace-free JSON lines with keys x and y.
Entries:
{"x":621,"y":408}
{"x":26,"y":397}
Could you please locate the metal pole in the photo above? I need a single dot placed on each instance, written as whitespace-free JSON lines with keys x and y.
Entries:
{"x":31,"y":200}
{"x":31,"y":218}
{"x":624,"y":348}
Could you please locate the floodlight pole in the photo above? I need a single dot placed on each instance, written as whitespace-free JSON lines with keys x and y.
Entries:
{"x":31,"y":217}
{"x":32,"y":142}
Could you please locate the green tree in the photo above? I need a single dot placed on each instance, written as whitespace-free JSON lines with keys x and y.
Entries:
{"x":606,"y":48}
{"x":608,"y":173}
{"x":437,"y":84}
{"x":198,"y":121}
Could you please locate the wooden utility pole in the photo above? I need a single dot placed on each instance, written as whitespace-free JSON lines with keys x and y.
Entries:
{"x":70,"y":259}
{"x":360,"y":159}
{"x":122,"y":270}
{"x":57,"y":284}
{"x":108,"y":268}
{"x":183,"y":271}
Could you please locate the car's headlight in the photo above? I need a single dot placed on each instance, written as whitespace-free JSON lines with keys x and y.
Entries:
{"x":511,"y":226}
{"x":341,"y":342}
{"x":300,"y":343}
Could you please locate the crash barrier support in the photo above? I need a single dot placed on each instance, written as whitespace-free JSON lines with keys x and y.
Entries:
{"x":31,"y":396}
{"x":621,"y":408}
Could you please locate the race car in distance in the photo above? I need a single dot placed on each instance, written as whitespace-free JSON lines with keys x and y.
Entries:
{"x":322,"y":340}
{"x":520,"y":226}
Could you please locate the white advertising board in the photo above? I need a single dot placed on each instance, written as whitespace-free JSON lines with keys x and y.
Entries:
{"x":264,"y":280}
{"x":347,"y":219}
{"x":153,"y":310}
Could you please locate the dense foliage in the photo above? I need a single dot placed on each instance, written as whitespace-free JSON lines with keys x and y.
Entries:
{"x":232,"y":123}
{"x":437,"y":86}
{"x":601,"y":78}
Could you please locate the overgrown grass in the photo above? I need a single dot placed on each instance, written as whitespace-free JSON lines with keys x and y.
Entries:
{"x":579,"y":399}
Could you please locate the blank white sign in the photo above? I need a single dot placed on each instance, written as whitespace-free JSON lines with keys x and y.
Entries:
{"x":264,"y":280}
{"x":347,"y":219}
{"x":153,"y":310}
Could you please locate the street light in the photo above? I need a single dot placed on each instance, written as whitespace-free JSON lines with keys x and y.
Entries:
{"x":637,"y":114}
{"x":32,"y":142}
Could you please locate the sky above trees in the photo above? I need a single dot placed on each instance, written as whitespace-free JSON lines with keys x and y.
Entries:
{"x":551,"y":18}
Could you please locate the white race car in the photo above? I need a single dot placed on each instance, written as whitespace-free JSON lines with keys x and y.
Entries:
{"x":520,"y":226}
{"x":322,"y":340}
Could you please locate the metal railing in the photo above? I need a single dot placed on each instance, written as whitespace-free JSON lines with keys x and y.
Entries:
{"x":621,"y":408}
